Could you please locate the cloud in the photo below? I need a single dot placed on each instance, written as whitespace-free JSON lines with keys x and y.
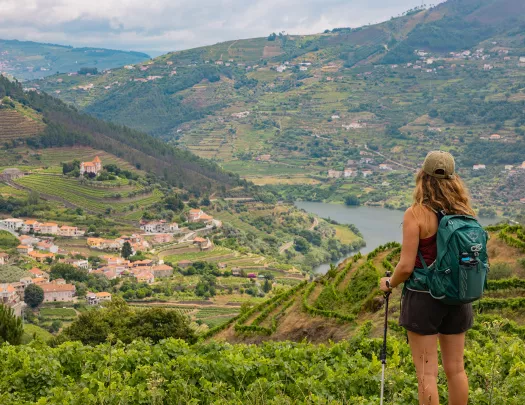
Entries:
{"x":159,"y":26}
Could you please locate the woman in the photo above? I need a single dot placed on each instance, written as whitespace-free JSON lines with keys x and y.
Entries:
{"x":426,"y":319}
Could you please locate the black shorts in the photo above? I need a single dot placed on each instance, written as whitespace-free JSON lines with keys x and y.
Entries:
{"x":422,"y":314}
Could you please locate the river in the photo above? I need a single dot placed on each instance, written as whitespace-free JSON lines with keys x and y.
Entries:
{"x":378,"y":225}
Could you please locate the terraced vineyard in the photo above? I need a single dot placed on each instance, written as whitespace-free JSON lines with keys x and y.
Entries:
{"x":217,"y":254}
{"x":333,"y":306}
{"x":14,"y":125}
{"x":89,"y":198}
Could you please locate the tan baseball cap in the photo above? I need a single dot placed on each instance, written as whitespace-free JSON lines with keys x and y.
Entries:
{"x":439,"y":164}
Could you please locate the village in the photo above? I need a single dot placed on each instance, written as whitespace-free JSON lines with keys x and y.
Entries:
{"x":40,"y":245}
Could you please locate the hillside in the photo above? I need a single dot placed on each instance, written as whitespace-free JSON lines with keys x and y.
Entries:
{"x":41,"y":121}
{"x":283,"y":111}
{"x":336,"y":306}
{"x":342,"y":310}
{"x":27,"y":60}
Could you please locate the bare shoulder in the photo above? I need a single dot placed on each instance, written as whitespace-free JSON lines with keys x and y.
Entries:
{"x":411,"y":214}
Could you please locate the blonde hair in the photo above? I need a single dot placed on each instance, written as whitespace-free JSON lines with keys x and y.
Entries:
{"x":449,"y":195}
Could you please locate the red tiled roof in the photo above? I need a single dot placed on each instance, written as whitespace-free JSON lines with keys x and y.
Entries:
{"x":51,"y":287}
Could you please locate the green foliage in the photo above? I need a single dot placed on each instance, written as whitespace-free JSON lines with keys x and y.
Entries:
{"x":448,"y":34}
{"x":505,"y":235}
{"x":33,"y":295}
{"x":265,"y":309}
{"x":505,"y":283}
{"x":352,"y":200}
{"x":67,"y":127}
{"x":88,"y":70}
{"x":12,"y":274}
{"x":500,"y":271}
{"x":7,"y":240}
{"x":126,"y":324}
{"x":301,"y":244}
{"x":174,"y":372}
{"x":363,"y":282}
{"x":11,"y":329}
{"x":321,"y":312}
{"x":127,"y":250}
{"x":68,"y":272}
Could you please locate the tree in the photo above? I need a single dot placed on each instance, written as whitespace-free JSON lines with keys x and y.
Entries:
{"x":301,"y":244}
{"x":88,"y":70}
{"x":126,"y":251}
{"x":55,"y":326}
{"x":11,"y":329}
{"x":267,"y":287}
{"x":352,"y":200}
{"x":206,"y":202}
{"x":68,"y":272}
{"x":33,"y":295}
{"x":127,"y":324}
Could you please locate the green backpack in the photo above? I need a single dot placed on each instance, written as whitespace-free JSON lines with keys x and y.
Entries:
{"x":459,"y":274}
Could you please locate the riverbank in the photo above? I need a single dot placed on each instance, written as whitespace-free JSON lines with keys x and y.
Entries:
{"x":377,"y":225}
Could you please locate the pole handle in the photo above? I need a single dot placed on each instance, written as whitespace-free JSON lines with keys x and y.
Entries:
{"x":388,"y":274}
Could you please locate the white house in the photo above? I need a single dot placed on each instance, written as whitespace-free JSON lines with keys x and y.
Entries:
{"x":13,"y":224}
{"x":30,"y":225}
{"x":479,"y":167}
{"x":49,"y":228}
{"x":70,"y":231}
{"x":160,"y":227}
{"x":350,"y":172}
{"x":91,"y":167}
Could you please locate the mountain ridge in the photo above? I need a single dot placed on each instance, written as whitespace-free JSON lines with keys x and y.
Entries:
{"x":294,"y":111}
{"x":28,"y":60}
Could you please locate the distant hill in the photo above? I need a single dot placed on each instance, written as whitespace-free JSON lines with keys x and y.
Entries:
{"x":41,"y":121}
{"x":27,"y":60}
{"x":287,"y":110}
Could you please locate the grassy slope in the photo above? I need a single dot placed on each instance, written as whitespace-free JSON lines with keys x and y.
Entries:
{"x":333,"y":294}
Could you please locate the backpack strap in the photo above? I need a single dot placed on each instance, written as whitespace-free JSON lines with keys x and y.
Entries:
{"x":440,"y":214}
{"x":420,"y":255}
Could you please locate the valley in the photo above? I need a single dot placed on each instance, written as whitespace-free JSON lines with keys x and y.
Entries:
{"x":210,"y":226}
{"x":327,"y":116}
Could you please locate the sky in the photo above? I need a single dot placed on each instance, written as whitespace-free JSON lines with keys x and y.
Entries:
{"x":160,"y":26}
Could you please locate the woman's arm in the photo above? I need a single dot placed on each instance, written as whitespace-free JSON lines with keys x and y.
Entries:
{"x":405,"y":267}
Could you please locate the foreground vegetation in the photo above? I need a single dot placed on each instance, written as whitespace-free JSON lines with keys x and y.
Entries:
{"x":173,"y":372}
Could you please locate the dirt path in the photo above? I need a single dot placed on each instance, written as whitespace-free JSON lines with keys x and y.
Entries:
{"x":284,"y":247}
{"x":390,"y":160}
{"x":316,"y":222}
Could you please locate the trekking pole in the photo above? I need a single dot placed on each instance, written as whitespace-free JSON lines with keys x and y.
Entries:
{"x":383,"y":349}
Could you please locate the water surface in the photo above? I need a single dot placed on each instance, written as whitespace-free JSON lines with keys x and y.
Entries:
{"x":377,"y":225}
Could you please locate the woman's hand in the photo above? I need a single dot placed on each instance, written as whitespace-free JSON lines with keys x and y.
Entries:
{"x":382,"y":284}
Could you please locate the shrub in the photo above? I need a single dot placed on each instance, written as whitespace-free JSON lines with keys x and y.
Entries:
{"x":499,"y":271}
